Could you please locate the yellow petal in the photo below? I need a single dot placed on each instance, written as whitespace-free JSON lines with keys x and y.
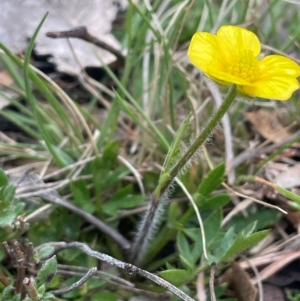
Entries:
{"x":204,"y":52}
{"x":226,"y":78}
{"x":238,"y":39}
{"x":277,"y":87}
{"x":277,"y":65}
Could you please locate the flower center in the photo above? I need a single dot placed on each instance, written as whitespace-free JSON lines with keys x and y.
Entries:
{"x":245,"y":67}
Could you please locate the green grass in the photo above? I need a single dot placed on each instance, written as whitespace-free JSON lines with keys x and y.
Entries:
{"x":110,"y":170}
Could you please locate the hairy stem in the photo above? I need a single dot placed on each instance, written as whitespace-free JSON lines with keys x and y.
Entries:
{"x":150,"y":221}
{"x":146,"y":229}
{"x":213,"y":122}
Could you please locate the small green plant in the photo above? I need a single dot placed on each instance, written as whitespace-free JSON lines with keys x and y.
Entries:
{"x":22,"y":257}
{"x":23,"y":287}
{"x":12,"y":225}
{"x":292,"y":294}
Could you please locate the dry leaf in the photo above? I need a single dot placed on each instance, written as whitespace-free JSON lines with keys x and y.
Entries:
{"x":243,"y":286}
{"x":288,"y":178}
{"x":268,"y":125}
{"x":19,"y":19}
{"x":239,"y":281}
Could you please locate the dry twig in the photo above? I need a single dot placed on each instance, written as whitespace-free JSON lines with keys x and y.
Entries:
{"x":129,"y":268}
{"x":77,"y":284}
{"x":83,"y":34}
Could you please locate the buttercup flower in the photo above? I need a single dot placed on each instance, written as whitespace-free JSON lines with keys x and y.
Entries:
{"x":231,"y":57}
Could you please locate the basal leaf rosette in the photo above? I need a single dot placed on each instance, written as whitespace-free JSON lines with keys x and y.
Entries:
{"x":231,"y":57}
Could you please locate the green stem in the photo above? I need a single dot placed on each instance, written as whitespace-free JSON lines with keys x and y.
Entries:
{"x":215,"y":119}
{"x":150,"y":221}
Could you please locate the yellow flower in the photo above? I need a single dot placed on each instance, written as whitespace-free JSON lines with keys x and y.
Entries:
{"x":231,"y":57}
